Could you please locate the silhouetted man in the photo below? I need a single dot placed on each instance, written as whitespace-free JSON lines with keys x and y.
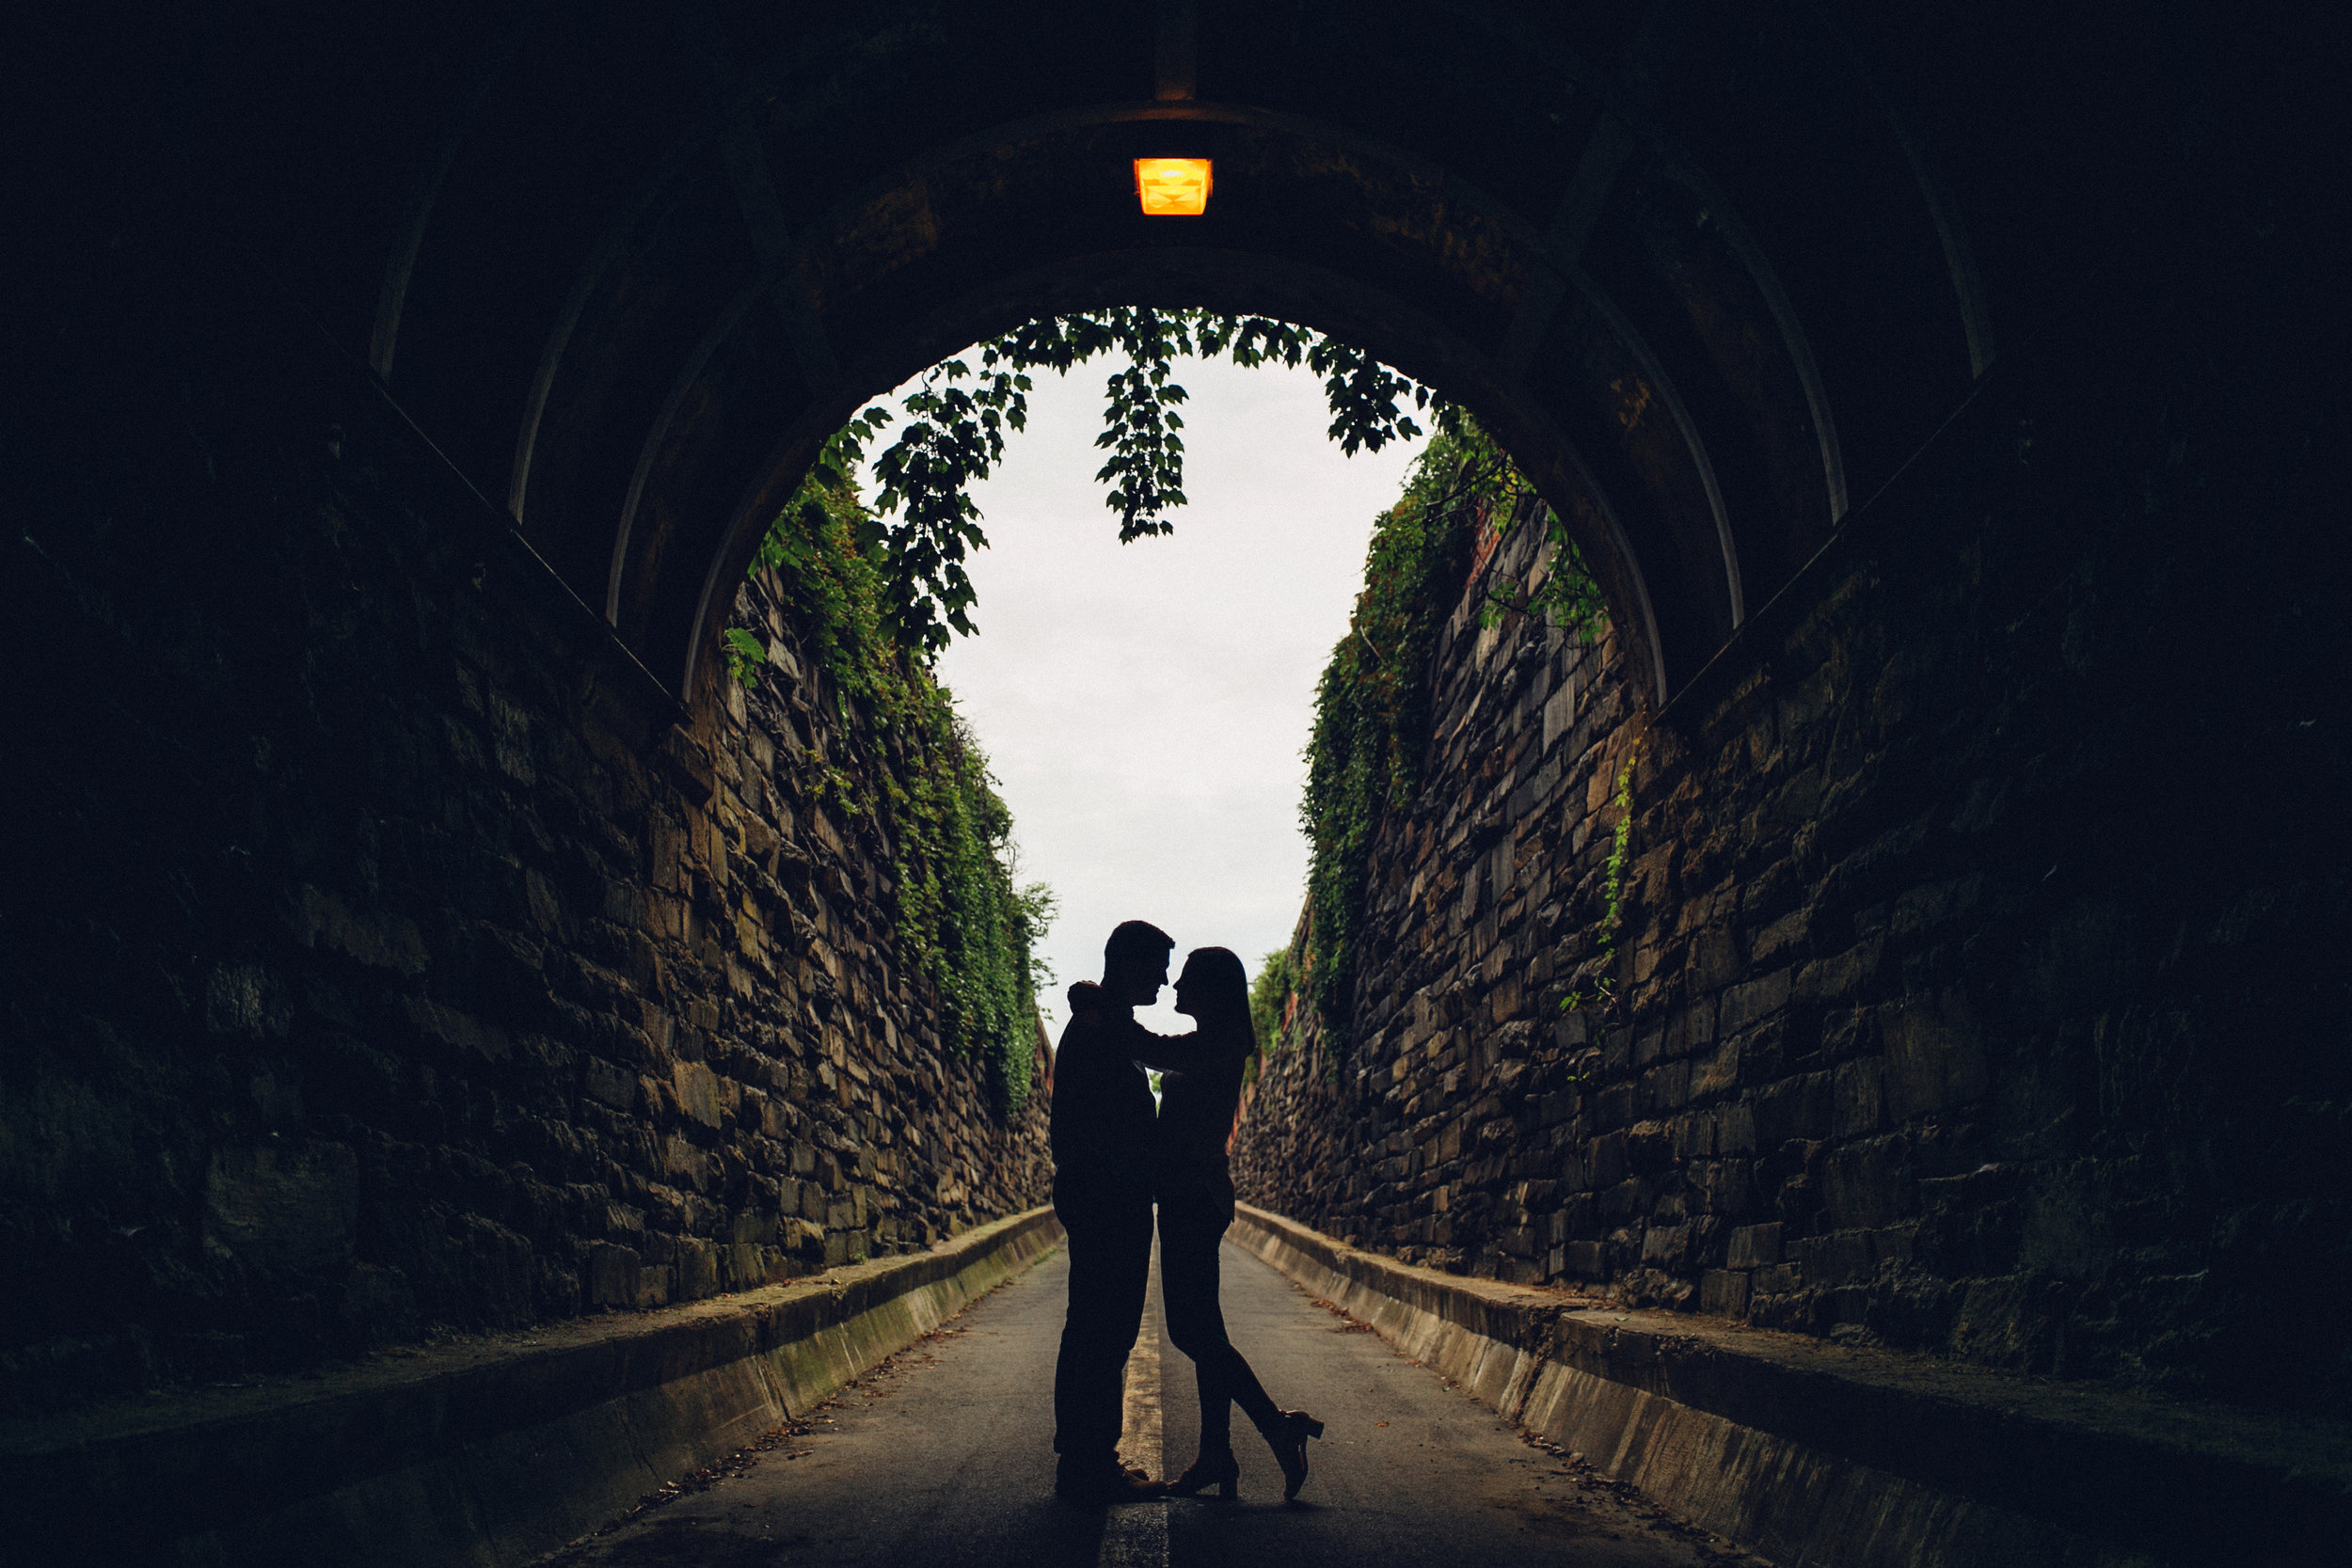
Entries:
{"x":1103,"y":1119}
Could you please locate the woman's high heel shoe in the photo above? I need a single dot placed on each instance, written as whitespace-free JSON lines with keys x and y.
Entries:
{"x":1289,"y":1441}
{"x":1220,"y":1470}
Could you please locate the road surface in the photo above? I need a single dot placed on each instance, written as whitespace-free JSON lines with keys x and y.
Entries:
{"x":942,"y":1458}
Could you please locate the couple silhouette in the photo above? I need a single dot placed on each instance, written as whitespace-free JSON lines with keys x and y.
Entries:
{"x":1115,"y":1156}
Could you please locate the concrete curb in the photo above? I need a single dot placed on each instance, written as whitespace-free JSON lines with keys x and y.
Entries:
{"x":491,"y":1453}
{"x":1815,"y":1453}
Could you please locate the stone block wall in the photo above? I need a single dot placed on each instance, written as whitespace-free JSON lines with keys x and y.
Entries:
{"x":383,"y":954}
{"x":1979,"y":987}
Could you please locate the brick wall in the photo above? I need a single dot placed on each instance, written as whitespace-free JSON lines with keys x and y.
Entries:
{"x":1979,"y":987}
{"x":379,"y":957}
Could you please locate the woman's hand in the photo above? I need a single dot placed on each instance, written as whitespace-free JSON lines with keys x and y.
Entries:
{"x":1086,"y":998}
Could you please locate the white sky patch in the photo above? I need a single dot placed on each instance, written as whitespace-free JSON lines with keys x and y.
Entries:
{"x":1144,"y":705}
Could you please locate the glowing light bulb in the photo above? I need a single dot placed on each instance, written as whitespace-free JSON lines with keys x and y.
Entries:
{"x":1172,"y":187}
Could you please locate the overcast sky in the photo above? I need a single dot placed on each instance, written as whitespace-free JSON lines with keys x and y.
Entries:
{"x":1144,"y":705}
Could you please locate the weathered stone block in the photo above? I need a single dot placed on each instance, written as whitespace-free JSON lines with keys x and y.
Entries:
{"x":1727,"y":1186}
{"x":610,"y":1084}
{"x":1719,"y":1074}
{"x":1743,"y":1005}
{"x":612,"y":1276}
{"x":283,"y":1206}
{"x":697,"y":1268}
{"x":1841,"y":976}
{"x":1897,"y":1243}
{"x":1692,"y":1028}
{"x":1560,"y":712}
{"x":1666,"y":1089}
{"x":1867,"y":1185}
{"x":1723,"y":1293}
{"x":1605,"y":1164}
{"x":1860,"y":1096}
{"x":1836,"y":1260}
{"x":1793,"y":1108}
{"x":1693,"y":1136}
{"x":1715,"y":961}
{"x":1666,"y":1246}
{"x":1754,"y":1246}
{"x":697,"y":1089}
{"x":1788,"y":935}
{"x":1935,"y":1056}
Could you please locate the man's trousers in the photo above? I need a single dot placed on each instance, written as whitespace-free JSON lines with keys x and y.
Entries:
{"x":1110,"y":1262}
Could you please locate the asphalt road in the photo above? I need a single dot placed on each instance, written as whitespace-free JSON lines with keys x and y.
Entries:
{"x":943,"y":1456}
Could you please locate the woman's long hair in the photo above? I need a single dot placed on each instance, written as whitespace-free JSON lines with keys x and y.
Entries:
{"x":1222,"y":992}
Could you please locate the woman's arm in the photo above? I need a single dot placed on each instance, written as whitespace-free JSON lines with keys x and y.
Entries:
{"x":1174,"y":1053}
{"x":1200,"y":1051}
{"x":1170,"y":1054}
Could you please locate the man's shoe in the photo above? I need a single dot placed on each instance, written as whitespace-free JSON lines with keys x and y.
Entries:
{"x":1105,"y":1483}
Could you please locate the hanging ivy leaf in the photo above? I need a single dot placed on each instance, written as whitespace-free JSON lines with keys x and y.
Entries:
{"x":951,"y":430}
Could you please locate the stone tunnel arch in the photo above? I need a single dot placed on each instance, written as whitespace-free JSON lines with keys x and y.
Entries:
{"x":1694,"y":366}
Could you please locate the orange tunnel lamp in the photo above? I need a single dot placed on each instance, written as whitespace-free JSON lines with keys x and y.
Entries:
{"x":1172,"y":187}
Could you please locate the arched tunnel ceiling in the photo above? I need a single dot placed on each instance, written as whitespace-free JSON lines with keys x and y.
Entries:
{"x":1684,"y":257}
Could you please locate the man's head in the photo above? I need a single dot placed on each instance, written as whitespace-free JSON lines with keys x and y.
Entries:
{"x":1134,"y":963}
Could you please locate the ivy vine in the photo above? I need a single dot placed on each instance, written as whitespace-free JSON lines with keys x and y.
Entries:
{"x":1620,"y":851}
{"x":952,"y":426}
{"x":1269,"y":998}
{"x":1371,"y":732}
{"x":961,"y":916}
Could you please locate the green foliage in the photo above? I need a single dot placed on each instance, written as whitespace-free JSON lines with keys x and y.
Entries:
{"x":1372,"y":710}
{"x":744,"y":656}
{"x":1269,"y":998}
{"x":1372,"y":705}
{"x":1564,"y":592}
{"x":960,"y":915}
{"x":1620,"y":847}
{"x":952,"y":429}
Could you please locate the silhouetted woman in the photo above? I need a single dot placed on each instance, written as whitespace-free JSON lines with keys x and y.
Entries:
{"x":1200,"y":1093}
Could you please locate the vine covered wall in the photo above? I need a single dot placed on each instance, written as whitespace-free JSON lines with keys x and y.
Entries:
{"x":401,"y":964}
{"x":1927,"y":1004}
{"x":905,"y":768}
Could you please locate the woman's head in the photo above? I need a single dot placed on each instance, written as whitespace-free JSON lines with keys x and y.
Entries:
{"x":1214,"y":989}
